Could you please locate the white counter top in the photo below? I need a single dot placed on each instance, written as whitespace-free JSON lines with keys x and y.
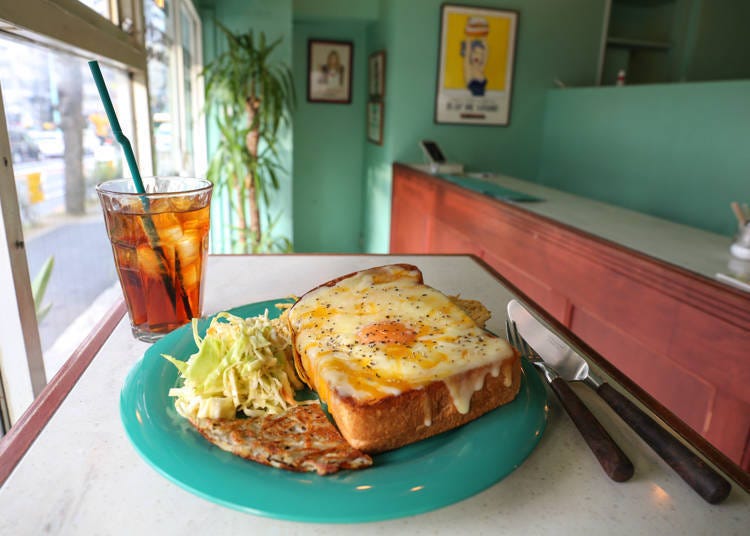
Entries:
{"x":82,"y":476}
{"x":693,"y":249}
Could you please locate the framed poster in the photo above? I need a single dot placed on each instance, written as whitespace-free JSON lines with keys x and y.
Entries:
{"x":475,"y":65}
{"x":329,"y":71}
{"x":376,"y":75}
{"x":375,"y":122}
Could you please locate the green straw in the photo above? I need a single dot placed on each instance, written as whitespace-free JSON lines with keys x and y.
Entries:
{"x":115,"y":125}
{"x":133,"y":166}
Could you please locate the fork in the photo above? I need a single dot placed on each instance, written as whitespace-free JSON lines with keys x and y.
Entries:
{"x":612,"y":459}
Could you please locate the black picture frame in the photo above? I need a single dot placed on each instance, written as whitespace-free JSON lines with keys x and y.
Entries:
{"x":329,"y":71}
{"x":470,"y":92}
{"x":376,"y":75}
{"x":375,"y":118}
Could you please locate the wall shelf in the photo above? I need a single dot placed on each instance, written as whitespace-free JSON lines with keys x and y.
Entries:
{"x":626,"y":42}
{"x":641,"y":40}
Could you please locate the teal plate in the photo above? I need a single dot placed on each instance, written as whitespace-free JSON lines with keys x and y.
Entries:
{"x":417,"y":478}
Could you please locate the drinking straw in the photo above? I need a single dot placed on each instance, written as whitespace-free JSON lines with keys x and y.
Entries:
{"x":115,"y":125}
{"x":127,"y":149}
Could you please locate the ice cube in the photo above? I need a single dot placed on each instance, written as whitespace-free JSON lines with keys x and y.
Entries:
{"x":121,"y":228}
{"x":126,"y":256}
{"x":152,"y":263}
{"x":159,"y":205}
{"x":190,"y":276}
{"x":128,"y":205}
{"x":195,"y":219}
{"x":188,"y":248}
{"x":181,"y":204}
{"x":168,"y":227}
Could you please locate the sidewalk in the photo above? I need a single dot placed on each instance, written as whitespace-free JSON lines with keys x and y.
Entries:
{"x":83,"y":282}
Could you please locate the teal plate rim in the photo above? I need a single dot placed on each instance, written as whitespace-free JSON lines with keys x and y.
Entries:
{"x":418,"y":478}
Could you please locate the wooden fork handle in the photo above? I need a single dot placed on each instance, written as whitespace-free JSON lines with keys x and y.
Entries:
{"x":693,"y":470}
{"x":612,"y":459}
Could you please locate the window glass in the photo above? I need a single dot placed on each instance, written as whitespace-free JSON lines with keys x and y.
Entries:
{"x":61,"y":147}
{"x":160,"y":43}
{"x":188,"y":45}
{"x":100,"y":6}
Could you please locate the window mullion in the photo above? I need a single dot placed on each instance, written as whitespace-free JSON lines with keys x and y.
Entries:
{"x":180,"y":82}
{"x":142,"y":123}
{"x":200,"y":158}
{"x":21,"y":360}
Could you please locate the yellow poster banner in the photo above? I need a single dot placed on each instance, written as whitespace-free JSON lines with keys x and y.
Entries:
{"x":477,"y":51}
{"x":34,"y":183}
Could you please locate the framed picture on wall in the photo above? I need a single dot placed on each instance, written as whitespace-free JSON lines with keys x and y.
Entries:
{"x":475,"y":65}
{"x":329,"y":71}
{"x":376,"y":75}
{"x":375,"y":122}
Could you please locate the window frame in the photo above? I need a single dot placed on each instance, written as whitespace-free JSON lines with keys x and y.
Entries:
{"x":22,"y":380}
{"x":200,"y":157}
{"x":119,"y":41}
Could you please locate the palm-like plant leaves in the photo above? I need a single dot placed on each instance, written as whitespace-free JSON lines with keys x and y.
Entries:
{"x":249,"y":94}
{"x":39,"y":288}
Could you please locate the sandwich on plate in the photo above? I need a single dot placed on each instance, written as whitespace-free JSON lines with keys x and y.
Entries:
{"x":397,"y":361}
{"x":393,"y":360}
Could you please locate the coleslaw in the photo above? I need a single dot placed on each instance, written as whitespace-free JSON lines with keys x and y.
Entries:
{"x":242,"y":365}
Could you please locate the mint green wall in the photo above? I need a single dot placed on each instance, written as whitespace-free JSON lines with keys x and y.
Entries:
{"x":376,"y":200}
{"x":556,"y":39}
{"x":546,"y":50}
{"x":332,"y":10}
{"x":275,"y":19}
{"x":677,"y":151}
{"x":329,"y":148}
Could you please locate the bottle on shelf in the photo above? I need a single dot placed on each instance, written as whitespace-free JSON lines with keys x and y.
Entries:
{"x":621,"y":77}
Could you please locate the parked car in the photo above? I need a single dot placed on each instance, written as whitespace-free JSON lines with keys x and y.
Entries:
{"x":50,"y":142}
{"x":23,"y":148}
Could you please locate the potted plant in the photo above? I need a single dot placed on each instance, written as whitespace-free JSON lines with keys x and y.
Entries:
{"x":251,"y":97}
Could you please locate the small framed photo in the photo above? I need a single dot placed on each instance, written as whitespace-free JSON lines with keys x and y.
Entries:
{"x":376,"y":75}
{"x":329,"y":71}
{"x":375,"y":122}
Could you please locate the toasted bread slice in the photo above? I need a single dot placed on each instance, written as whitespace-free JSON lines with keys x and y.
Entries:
{"x":475,"y":309}
{"x":397,"y":361}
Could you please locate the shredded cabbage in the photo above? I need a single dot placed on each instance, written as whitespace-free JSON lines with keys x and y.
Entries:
{"x":241,"y":365}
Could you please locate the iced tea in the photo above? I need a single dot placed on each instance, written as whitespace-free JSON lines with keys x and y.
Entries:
{"x":159,"y":241}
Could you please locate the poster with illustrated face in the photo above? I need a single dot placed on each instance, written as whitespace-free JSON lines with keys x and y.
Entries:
{"x":475,"y":79}
{"x":329,"y":71}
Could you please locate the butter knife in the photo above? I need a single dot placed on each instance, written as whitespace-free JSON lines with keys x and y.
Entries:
{"x":572,"y":367}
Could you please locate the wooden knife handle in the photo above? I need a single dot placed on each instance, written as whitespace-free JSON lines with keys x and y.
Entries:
{"x":613,"y":460}
{"x":693,"y":470}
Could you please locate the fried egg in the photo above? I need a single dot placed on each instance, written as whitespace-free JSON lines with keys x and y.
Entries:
{"x":382,"y":331}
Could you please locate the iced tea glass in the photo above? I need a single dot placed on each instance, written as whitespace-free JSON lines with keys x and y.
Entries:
{"x":159,"y":241}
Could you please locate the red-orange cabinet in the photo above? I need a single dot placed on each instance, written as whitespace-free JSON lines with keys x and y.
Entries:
{"x":681,"y":337}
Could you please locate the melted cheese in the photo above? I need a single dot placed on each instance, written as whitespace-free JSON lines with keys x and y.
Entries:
{"x":463,"y":387}
{"x":381,"y":332}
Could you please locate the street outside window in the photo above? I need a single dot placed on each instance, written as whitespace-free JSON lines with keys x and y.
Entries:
{"x":61,"y":147}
